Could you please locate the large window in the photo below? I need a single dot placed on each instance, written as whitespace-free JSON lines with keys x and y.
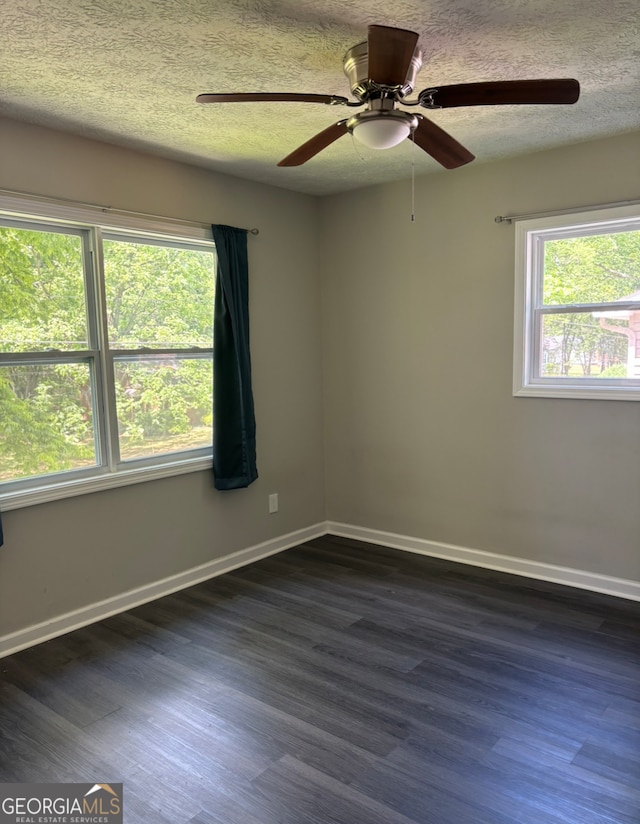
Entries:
{"x":106,"y":335}
{"x":577,"y":331}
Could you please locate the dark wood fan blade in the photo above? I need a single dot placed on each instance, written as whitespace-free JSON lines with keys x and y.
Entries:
{"x":315,"y":145}
{"x":389,"y":54}
{"x":506,"y":92}
{"x":440,"y":145}
{"x":271,"y":97}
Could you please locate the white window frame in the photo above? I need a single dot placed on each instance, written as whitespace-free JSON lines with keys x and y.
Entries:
{"x":530,"y":236}
{"x":92,"y":222}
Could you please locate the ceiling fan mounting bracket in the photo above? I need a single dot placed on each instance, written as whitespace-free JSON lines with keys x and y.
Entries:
{"x":356,"y":68}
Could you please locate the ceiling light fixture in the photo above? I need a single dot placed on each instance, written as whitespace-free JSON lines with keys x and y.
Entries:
{"x":382,"y":129}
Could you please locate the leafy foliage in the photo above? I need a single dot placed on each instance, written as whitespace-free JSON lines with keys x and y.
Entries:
{"x":156,"y":297}
{"x":592,"y":269}
{"x":159,"y":398}
{"x":37,"y":434}
{"x":41,"y":278}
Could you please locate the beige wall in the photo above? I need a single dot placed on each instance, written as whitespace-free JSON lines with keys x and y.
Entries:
{"x":423,"y":435}
{"x":64,"y":555}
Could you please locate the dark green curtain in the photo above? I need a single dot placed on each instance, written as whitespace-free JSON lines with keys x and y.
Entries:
{"x":234,"y":425}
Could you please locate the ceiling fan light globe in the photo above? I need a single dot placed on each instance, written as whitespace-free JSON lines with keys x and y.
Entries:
{"x":382,"y":133}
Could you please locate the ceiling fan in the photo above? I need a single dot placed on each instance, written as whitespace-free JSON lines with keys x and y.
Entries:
{"x":381,"y":72}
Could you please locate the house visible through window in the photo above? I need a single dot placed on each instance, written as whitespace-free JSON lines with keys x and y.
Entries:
{"x":577,"y":331}
{"x":106,"y":337}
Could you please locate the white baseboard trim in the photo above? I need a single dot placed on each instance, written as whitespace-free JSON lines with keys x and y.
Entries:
{"x":621,"y":587}
{"x":38,"y":633}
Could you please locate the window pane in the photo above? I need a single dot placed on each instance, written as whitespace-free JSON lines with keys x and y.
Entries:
{"x":42,"y":288}
{"x":158,"y":296}
{"x":592,"y":269}
{"x":164,"y":404}
{"x":46,"y":419}
{"x":586,"y":345}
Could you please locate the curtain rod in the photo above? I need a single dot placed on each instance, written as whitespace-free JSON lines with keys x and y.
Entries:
{"x":511,"y":218}
{"x":111,"y":209}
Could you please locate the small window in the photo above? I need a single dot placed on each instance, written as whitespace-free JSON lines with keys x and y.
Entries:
{"x":106,"y":356}
{"x":577,"y":329}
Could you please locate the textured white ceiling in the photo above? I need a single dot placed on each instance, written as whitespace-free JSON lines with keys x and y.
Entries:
{"x":128,"y":72}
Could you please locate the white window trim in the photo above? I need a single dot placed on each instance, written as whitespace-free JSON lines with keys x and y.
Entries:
{"x":32,"y":207}
{"x":81,"y":486}
{"x":527,"y":285}
{"x":55,"y":487}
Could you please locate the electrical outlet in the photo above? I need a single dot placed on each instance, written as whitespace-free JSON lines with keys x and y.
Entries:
{"x":273,"y":503}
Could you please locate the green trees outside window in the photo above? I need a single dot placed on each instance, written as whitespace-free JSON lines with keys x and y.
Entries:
{"x":105,"y":348}
{"x":577,"y":304}
{"x":594,"y":269}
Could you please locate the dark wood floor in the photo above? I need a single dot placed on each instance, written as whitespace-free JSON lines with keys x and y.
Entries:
{"x":341,"y":683}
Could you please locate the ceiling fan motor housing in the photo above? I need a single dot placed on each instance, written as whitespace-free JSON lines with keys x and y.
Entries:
{"x":356,"y":68}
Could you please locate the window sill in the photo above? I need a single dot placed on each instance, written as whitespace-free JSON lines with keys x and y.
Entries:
{"x":571,"y":390}
{"x":82,"y":486}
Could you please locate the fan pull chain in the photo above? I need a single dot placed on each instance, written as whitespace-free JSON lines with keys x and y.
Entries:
{"x":413,"y":180}
{"x":356,"y":148}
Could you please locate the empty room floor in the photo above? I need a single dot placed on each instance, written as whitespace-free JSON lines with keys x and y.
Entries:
{"x":342,"y":683}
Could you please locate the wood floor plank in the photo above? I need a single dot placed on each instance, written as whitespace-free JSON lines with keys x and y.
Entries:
{"x":312,"y":796}
{"x":491,"y":783}
{"x":247,"y":596}
{"x":73,"y":691}
{"x":436,"y":794}
{"x":606,"y":762}
{"x":37,"y":744}
{"x":584,"y":796}
{"x":284,"y":687}
{"x":276,"y":732}
{"x":342,"y":683}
